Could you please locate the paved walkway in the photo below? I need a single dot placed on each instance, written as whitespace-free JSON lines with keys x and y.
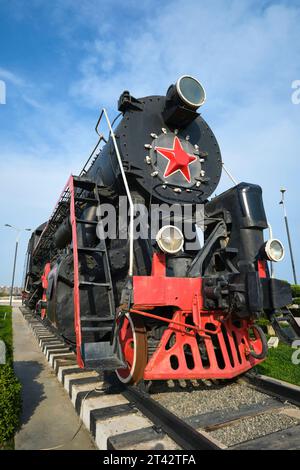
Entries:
{"x":49,"y":420}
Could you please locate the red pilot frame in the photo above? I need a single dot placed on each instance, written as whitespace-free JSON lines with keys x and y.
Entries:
{"x":196,"y":344}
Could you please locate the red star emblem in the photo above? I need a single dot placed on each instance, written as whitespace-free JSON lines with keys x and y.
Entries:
{"x":179,"y":159}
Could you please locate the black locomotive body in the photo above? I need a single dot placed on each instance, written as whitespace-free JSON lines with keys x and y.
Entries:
{"x":156,"y":304}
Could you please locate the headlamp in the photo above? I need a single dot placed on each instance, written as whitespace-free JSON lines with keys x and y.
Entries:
{"x":274,"y":250}
{"x":170,"y":239}
{"x":190,"y":91}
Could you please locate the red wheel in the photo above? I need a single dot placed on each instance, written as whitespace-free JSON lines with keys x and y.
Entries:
{"x":133,"y":342}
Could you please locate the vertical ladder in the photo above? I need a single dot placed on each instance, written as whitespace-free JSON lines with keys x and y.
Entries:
{"x":97,"y":354}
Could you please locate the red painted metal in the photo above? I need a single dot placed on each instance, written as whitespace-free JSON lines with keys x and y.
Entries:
{"x":76,"y":297}
{"x":197,"y":343}
{"x":158,"y":265}
{"x":127,"y":344}
{"x":45,"y":274}
{"x":201,"y":331}
{"x":262,"y":268}
{"x":178,"y":159}
{"x":189,"y":356}
{"x":155,"y":291}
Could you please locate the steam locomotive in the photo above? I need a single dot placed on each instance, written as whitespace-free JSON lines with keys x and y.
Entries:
{"x":163,"y":303}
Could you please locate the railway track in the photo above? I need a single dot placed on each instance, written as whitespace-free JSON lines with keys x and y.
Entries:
{"x":134,"y":418}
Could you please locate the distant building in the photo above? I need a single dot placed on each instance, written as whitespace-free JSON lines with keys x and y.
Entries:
{"x":5,"y":291}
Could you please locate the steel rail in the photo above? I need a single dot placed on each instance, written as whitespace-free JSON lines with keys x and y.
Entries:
{"x":178,"y":430}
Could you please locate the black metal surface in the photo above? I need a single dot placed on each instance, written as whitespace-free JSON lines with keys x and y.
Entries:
{"x":274,"y":388}
{"x":177,"y":429}
{"x":100,"y":355}
{"x":133,"y":132}
{"x":286,"y":335}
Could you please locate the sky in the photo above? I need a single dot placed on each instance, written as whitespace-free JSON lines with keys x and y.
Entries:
{"x":61,"y":61}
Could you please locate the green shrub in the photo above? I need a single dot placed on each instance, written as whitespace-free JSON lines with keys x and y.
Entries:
{"x":262,"y":321}
{"x":296,"y":300}
{"x":10,"y":402}
{"x":295,"y":290}
{"x":10,"y":388}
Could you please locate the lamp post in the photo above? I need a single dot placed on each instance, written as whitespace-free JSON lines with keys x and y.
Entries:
{"x":282,"y":202}
{"x":19,"y":231}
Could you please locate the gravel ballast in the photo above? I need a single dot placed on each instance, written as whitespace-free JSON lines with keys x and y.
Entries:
{"x":185,"y":401}
{"x":251,"y":428}
{"x":208,"y":398}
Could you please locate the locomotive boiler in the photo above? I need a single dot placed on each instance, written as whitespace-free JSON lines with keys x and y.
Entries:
{"x":120,"y":269}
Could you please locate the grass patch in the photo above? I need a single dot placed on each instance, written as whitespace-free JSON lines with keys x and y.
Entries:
{"x":10,"y":387}
{"x":279,"y":365}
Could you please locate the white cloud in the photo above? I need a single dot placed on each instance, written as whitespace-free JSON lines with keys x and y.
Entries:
{"x":227,"y":44}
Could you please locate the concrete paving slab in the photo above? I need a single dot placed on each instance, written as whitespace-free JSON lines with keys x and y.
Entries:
{"x":48,"y":420}
{"x":79,"y":375}
{"x":62,"y":368}
{"x":102,"y":401}
{"x":84,"y":388}
{"x":57,"y":350}
{"x":61,"y":355}
{"x":118,"y":425}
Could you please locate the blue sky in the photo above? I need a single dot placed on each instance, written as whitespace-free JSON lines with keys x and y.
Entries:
{"x":63,"y":60}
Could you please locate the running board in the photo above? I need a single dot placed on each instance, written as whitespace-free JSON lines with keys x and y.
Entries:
{"x":102,"y":356}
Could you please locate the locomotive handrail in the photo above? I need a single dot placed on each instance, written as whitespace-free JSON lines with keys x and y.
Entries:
{"x":131,"y":205}
{"x":83,"y":171}
{"x":101,"y":137}
{"x":235,"y":182}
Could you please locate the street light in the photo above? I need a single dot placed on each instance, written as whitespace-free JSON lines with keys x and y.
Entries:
{"x":19,"y":231}
{"x":282,"y":202}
